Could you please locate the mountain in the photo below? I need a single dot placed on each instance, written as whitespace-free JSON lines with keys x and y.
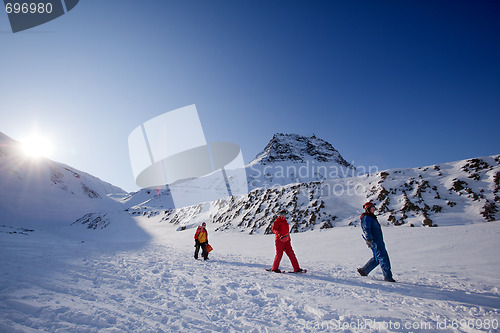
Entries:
{"x":287,"y":159}
{"x":452,"y":193}
{"x":299,"y":149}
{"x":40,"y":190}
{"x":455,"y":193}
{"x":293,"y":158}
{"x":447,"y":194}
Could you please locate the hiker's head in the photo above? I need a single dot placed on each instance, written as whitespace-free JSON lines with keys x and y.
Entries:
{"x":369,"y":207}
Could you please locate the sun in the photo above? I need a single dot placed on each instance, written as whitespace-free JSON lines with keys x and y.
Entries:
{"x":37,"y":146}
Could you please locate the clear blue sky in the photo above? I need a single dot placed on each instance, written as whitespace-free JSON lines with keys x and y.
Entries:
{"x":388,"y":83}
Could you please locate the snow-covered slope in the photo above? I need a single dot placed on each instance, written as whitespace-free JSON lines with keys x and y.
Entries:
{"x":90,"y":281}
{"x":445,"y":194}
{"x":40,"y":190}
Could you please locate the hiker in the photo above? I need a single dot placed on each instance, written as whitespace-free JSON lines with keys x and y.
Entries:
{"x":372,"y":233}
{"x":201,"y":240}
{"x":283,"y":243}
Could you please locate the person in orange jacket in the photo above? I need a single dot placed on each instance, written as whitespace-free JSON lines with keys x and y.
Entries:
{"x":201,"y":240}
{"x":283,"y":243}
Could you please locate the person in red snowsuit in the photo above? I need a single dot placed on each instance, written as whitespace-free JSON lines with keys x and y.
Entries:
{"x":283,"y":243}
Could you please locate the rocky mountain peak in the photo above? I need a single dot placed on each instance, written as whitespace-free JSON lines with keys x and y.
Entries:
{"x":299,"y":149}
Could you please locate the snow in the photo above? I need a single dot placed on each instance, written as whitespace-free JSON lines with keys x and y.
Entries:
{"x":145,"y":279}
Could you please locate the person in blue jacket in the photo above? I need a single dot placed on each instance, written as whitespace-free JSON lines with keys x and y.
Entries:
{"x":372,"y":233}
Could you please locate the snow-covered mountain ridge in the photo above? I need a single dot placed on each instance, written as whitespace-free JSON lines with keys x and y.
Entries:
{"x":453,"y":193}
{"x":36,"y":190}
{"x":470,"y":187}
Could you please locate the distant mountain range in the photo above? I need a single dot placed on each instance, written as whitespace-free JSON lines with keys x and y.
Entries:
{"x":452,"y":193}
{"x":304,"y":175}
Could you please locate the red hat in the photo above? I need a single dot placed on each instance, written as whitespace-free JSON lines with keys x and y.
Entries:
{"x":368,"y":205}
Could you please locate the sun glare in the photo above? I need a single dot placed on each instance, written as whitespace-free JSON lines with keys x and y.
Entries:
{"x":37,"y":146}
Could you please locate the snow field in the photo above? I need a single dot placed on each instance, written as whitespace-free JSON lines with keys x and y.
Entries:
{"x":59,"y":284}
